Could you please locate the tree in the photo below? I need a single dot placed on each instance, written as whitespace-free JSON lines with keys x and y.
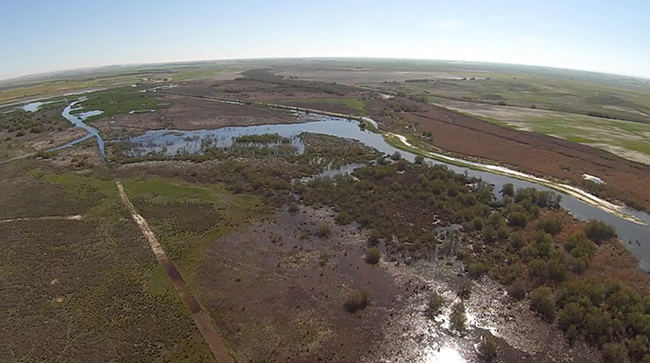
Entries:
{"x":419,"y":160}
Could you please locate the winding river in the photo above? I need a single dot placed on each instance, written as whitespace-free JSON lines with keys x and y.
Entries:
{"x":633,"y":227}
{"x":78,"y":119}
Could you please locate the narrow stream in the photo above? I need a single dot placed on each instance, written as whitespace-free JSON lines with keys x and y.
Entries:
{"x":78,"y":121}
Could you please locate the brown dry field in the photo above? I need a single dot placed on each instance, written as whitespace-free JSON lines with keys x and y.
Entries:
{"x":535,"y":153}
{"x":459,"y":134}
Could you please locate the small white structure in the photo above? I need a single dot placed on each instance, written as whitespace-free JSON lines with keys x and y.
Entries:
{"x":592,"y":178}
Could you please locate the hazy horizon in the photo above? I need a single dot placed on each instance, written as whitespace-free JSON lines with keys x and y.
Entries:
{"x":595,"y":36}
{"x":199,"y":61}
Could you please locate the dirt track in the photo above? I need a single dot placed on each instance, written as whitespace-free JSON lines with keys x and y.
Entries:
{"x":201,"y":317}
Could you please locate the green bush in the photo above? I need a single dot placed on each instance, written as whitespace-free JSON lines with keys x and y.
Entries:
{"x":508,"y":190}
{"x":323,"y":230}
{"x":550,"y":224}
{"x":373,"y":238}
{"x":517,"y":290}
{"x":343,"y":218}
{"x":465,"y":288}
{"x":435,"y":303}
{"x":598,"y":231}
{"x":542,"y":301}
{"x":356,"y":300}
{"x":373,"y":255}
{"x":614,"y":353}
{"x":517,"y":219}
{"x":457,"y":318}
{"x":488,"y":348}
{"x":478,"y":269}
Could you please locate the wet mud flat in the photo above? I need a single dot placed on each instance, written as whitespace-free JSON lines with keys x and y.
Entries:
{"x":281,"y":285}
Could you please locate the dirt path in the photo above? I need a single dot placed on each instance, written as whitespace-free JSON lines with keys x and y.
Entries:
{"x":76,"y":217}
{"x":201,"y":317}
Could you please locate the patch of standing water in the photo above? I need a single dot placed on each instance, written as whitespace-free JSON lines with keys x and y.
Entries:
{"x":330,"y":172}
{"x":174,"y":142}
{"x":636,"y":236}
{"x":33,"y":106}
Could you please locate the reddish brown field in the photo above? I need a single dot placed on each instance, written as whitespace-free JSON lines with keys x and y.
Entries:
{"x":535,"y":153}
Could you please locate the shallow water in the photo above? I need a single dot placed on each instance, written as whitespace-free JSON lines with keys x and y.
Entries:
{"x":33,"y":106}
{"x":635,"y":236}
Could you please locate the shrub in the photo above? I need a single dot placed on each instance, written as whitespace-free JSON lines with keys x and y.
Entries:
{"x":373,"y":255}
{"x":613,"y":352}
{"x":373,"y":238}
{"x":396,"y":156}
{"x":542,"y":301}
{"x":488,"y":348}
{"x":517,"y":219}
{"x":457,"y":318}
{"x":465,"y":289}
{"x":551,"y":225}
{"x":598,"y":231}
{"x":517,"y":290}
{"x":356,"y":300}
{"x":343,"y":218}
{"x":508,"y":190}
{"x":476,"y":224}
{"x":323,"y":230}
{"x":478,"y":269}
{"x":435,"y":303}
{"x":489,"y":234}
{"x":419,"y":160}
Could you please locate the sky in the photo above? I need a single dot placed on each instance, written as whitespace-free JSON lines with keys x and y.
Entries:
{"x":604,"y":36}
